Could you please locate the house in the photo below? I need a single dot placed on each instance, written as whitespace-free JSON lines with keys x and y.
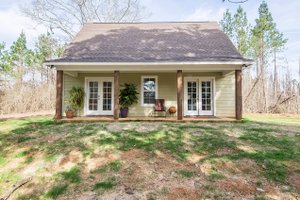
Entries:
{"x":192,"y":65}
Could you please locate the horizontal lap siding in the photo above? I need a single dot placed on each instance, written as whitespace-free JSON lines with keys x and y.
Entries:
{"x":69,"y":82}
{"x":167,"y":89}
{"x":225,"y":95}
{"x":225,"y":92}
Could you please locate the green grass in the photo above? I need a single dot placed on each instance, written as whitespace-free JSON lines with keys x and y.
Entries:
{"x":21,"y":154}
{"x":3,"y":160}
{"x":113,"y":166}
{"x":273,"y":119}
{"x":56,"y":191}
{"x":185,"y":173}
{"x":106,"y":185}
{"x":73,"y":175}
{"x":215,"y":176}
{"x":274,"y":143}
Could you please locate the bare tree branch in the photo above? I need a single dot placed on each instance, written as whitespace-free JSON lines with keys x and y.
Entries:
{"x":69,"y":15}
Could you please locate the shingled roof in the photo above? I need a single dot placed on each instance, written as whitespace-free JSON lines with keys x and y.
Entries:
{"x":151,"y":42}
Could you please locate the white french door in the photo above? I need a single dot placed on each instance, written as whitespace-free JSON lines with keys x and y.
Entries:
{"x":198,"y":96}
{"x":99,"y":96}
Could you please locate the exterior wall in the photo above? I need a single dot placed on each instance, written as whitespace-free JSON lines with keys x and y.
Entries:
{"x":224,"y":92}
{"x":68,"y":83}
{"x":167,"y":89}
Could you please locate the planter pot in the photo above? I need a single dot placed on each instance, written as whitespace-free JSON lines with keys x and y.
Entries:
{"x":124,"y":112}
{"x":69,"y":114}
{"x":172,"y":110}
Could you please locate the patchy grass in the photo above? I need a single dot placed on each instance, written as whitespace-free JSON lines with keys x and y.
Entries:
{"x":107,"y":184}
{"x":215,"y":176}
{"x":274,"y":119}
{"x":113,"y":166}
{"x":73,"y":175}
{"x":56,"y":190}
{"x":185,"y":173}
{"x":213,"y":160}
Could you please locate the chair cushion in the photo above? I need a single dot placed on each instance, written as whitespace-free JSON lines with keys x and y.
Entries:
{"x":159,"y":105}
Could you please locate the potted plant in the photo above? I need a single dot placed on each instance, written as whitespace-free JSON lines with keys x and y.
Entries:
{"x":128,"y":97}
{"x":69,"y":112}
{"x":76,"y":99}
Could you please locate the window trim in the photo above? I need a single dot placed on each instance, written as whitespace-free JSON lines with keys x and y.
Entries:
{"x":142,"y":89}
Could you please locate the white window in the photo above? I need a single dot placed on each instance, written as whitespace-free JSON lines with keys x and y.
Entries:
{"x":149,"y":90}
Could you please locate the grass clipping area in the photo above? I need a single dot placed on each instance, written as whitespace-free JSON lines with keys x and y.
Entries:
{"x":255,"y":159}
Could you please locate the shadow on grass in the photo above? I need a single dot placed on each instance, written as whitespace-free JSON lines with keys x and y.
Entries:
{"x":178,"y":140}
{"x":47,"y":136}
{"x":273,"y":151}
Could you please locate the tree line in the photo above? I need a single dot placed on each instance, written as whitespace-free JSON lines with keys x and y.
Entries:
{"x":268,"y":86}
{"x":27,"y":85}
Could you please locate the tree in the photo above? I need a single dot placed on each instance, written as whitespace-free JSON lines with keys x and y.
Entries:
{"x":242,"y":30}
{"x":238,"y":29}
{"x":277,"y":44}
{"x":227,"y":24}
{"x":266,"y":38}
{"x":18,"y":59}
{"x":4,"y":67}
{"x":47,"y":47}
{"x":68,"y":15}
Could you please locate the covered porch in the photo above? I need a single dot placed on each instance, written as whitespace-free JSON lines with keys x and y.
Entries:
{"x":174,"y":85}
{"x":149,"y":119}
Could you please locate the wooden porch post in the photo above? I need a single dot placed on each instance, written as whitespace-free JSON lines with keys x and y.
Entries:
{"x":238,"y":94}
{"x":179,"y":94}
{"x":59,"y":88}
{"x":116,"y":94}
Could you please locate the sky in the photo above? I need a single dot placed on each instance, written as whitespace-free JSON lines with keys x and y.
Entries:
{"x":285,"y":13}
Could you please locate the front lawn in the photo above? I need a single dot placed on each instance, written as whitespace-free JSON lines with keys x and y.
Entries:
{"x":256,"y":159}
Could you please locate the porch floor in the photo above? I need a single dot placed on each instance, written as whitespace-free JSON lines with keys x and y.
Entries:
{"x":161,"y":119}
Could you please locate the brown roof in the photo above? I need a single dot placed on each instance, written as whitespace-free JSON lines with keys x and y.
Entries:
{"x":151,"y":42}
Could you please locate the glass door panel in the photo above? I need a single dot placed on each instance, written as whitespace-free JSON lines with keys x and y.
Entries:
{"x":107,"y":96}
{"x":99,"y":96}
{"x":206,"y":98}
{"x":93,"y":96}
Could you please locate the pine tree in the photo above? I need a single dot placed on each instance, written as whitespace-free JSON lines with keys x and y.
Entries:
{"x":237,"y":28}
{"x":266,"y":38}
{"x":20,"y":58}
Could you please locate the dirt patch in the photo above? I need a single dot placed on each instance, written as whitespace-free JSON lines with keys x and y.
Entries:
{"x":147,"y":127}
{"x":182,"y":193}
{"x":294,"y":180}
{"x":135,"y":153}
{"x":237,"y":186}
{"x":141,"y":127}
{"x":52,"y":138}
{"x":68,"y":161}
{"x":98,"y":160}
{"x":248,"y":166}
{"x":225,"y":151}
{"x":194,"y":158}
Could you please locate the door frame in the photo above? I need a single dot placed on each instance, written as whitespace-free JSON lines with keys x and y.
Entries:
{"x":101,"y":79}
{"x":199,"y":78}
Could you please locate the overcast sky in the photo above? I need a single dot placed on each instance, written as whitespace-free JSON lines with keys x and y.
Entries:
{"x":285,"y":13}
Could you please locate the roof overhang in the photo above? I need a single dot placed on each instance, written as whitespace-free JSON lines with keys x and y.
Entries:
{"x":144,"y":66}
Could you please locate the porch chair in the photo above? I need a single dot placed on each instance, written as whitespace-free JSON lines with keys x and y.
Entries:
{"x":159,"y":107}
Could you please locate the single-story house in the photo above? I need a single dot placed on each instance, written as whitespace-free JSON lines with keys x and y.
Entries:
{"x":191,"y":65}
